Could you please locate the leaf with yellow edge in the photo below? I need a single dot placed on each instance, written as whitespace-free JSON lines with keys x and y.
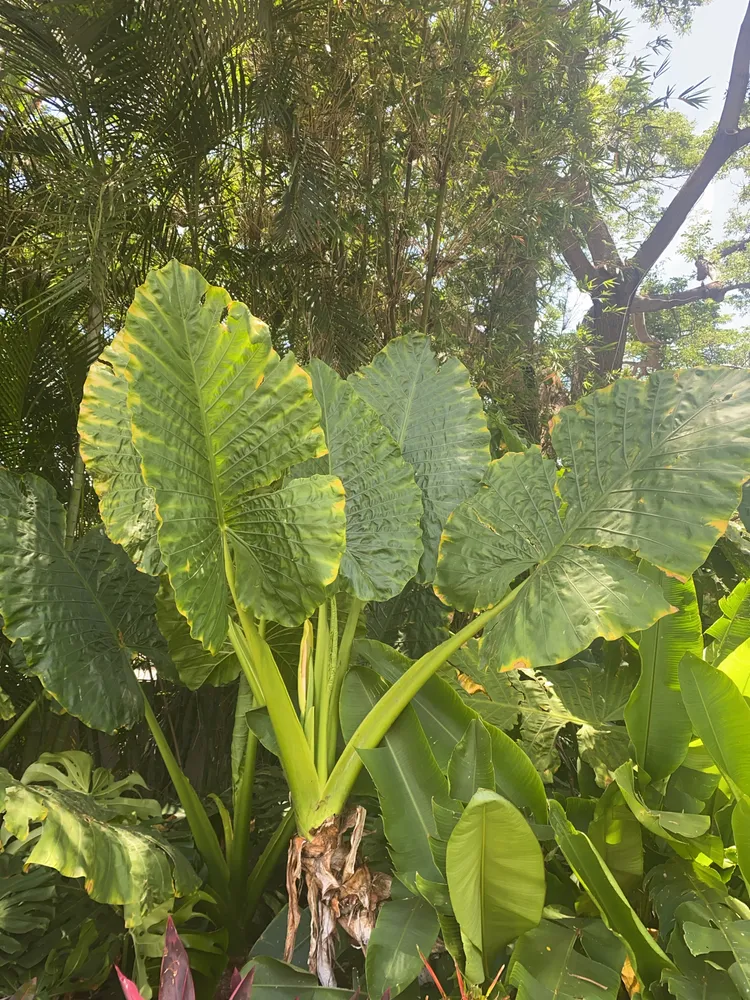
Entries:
{"x":217,"y":419}
{"x":651,"y":469}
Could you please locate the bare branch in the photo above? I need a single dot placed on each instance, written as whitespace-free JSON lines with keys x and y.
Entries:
{"x":582,"y":268}
{"x":716,"y":290}
{"x":727,"y":139}
{"x":737,"y":247}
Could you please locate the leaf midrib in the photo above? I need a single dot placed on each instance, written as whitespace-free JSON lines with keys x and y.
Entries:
{"x":210,"y":457}
{"x":569,"y":525}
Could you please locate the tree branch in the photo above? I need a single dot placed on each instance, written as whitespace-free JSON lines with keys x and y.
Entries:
{"x":727,"y":139}
{"x":737,"y":247}
{"x":601,"y":244}
{"x":715,"y":290}
{"x":582,"y":268}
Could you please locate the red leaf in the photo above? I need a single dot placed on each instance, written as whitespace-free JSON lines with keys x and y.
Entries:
{"x":128,"y":986}
{"x":241,"y":988}
{"x":176,"y":981}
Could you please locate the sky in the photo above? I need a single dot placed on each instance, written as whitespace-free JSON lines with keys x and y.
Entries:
{"x":704,"y":51}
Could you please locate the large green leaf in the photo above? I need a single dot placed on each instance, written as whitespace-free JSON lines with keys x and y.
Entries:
{"x":444,"y":719}
{"x":657,"y":722}
{"x":195,"y":665}
{"x":217,"y":419}
{"x":82,"y":614}
{"x":653,"y":467}
{"x":616,"y":834}
{"x":649,"y":961}
{"x":733,"y":627}
{"x":121,"y":865}
{"x":720,"y":716}
{"x":470,"y":767}
{"x":383,"y":502}
{"x":678,"y":828}
{"x":403,"y":929}
{"x":705,"y":922}
{"x":276,"y":980}
{"x":736,"y":665}
{"x":74,"y":771}
{"x":436,"y":418}
{"x":51,"y":933}
{"x":546,"y":965}
{"x":741,"y":831}
{"x":495,"y":873}
{"x":587,"y":695}
{"x":127,"y":506}
{"x":405,"y":773}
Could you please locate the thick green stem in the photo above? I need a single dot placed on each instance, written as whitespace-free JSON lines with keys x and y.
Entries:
{"x":10,"y":734}
{"x":243,"y":812}
{"x":326,"y":667}
{"x":203,"y":833}
{"x":381,"y":717}
{"x":242,"y":649}
{"x":262,"y":672}
{"x":342,"y":665}
{"x":268,"y":860}
{"x":320,"y":663}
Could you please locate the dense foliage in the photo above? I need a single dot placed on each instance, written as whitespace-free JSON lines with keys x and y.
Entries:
{"x":557,"y":785}
{"x":364,"y":647}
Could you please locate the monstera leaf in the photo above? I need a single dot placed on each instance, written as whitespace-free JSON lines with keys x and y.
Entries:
{"x":383,"y":502}
{"x":653,"y":468}
{"x":436,"y":418}
{"x":217,"y":418}
{"x":50,"y":931}
{"x":80,"y":837}
{"x":127,"y":506}
{"x":82,"y":614}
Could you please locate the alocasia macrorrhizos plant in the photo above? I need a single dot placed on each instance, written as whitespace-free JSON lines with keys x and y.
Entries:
{"x":268,"y":497}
